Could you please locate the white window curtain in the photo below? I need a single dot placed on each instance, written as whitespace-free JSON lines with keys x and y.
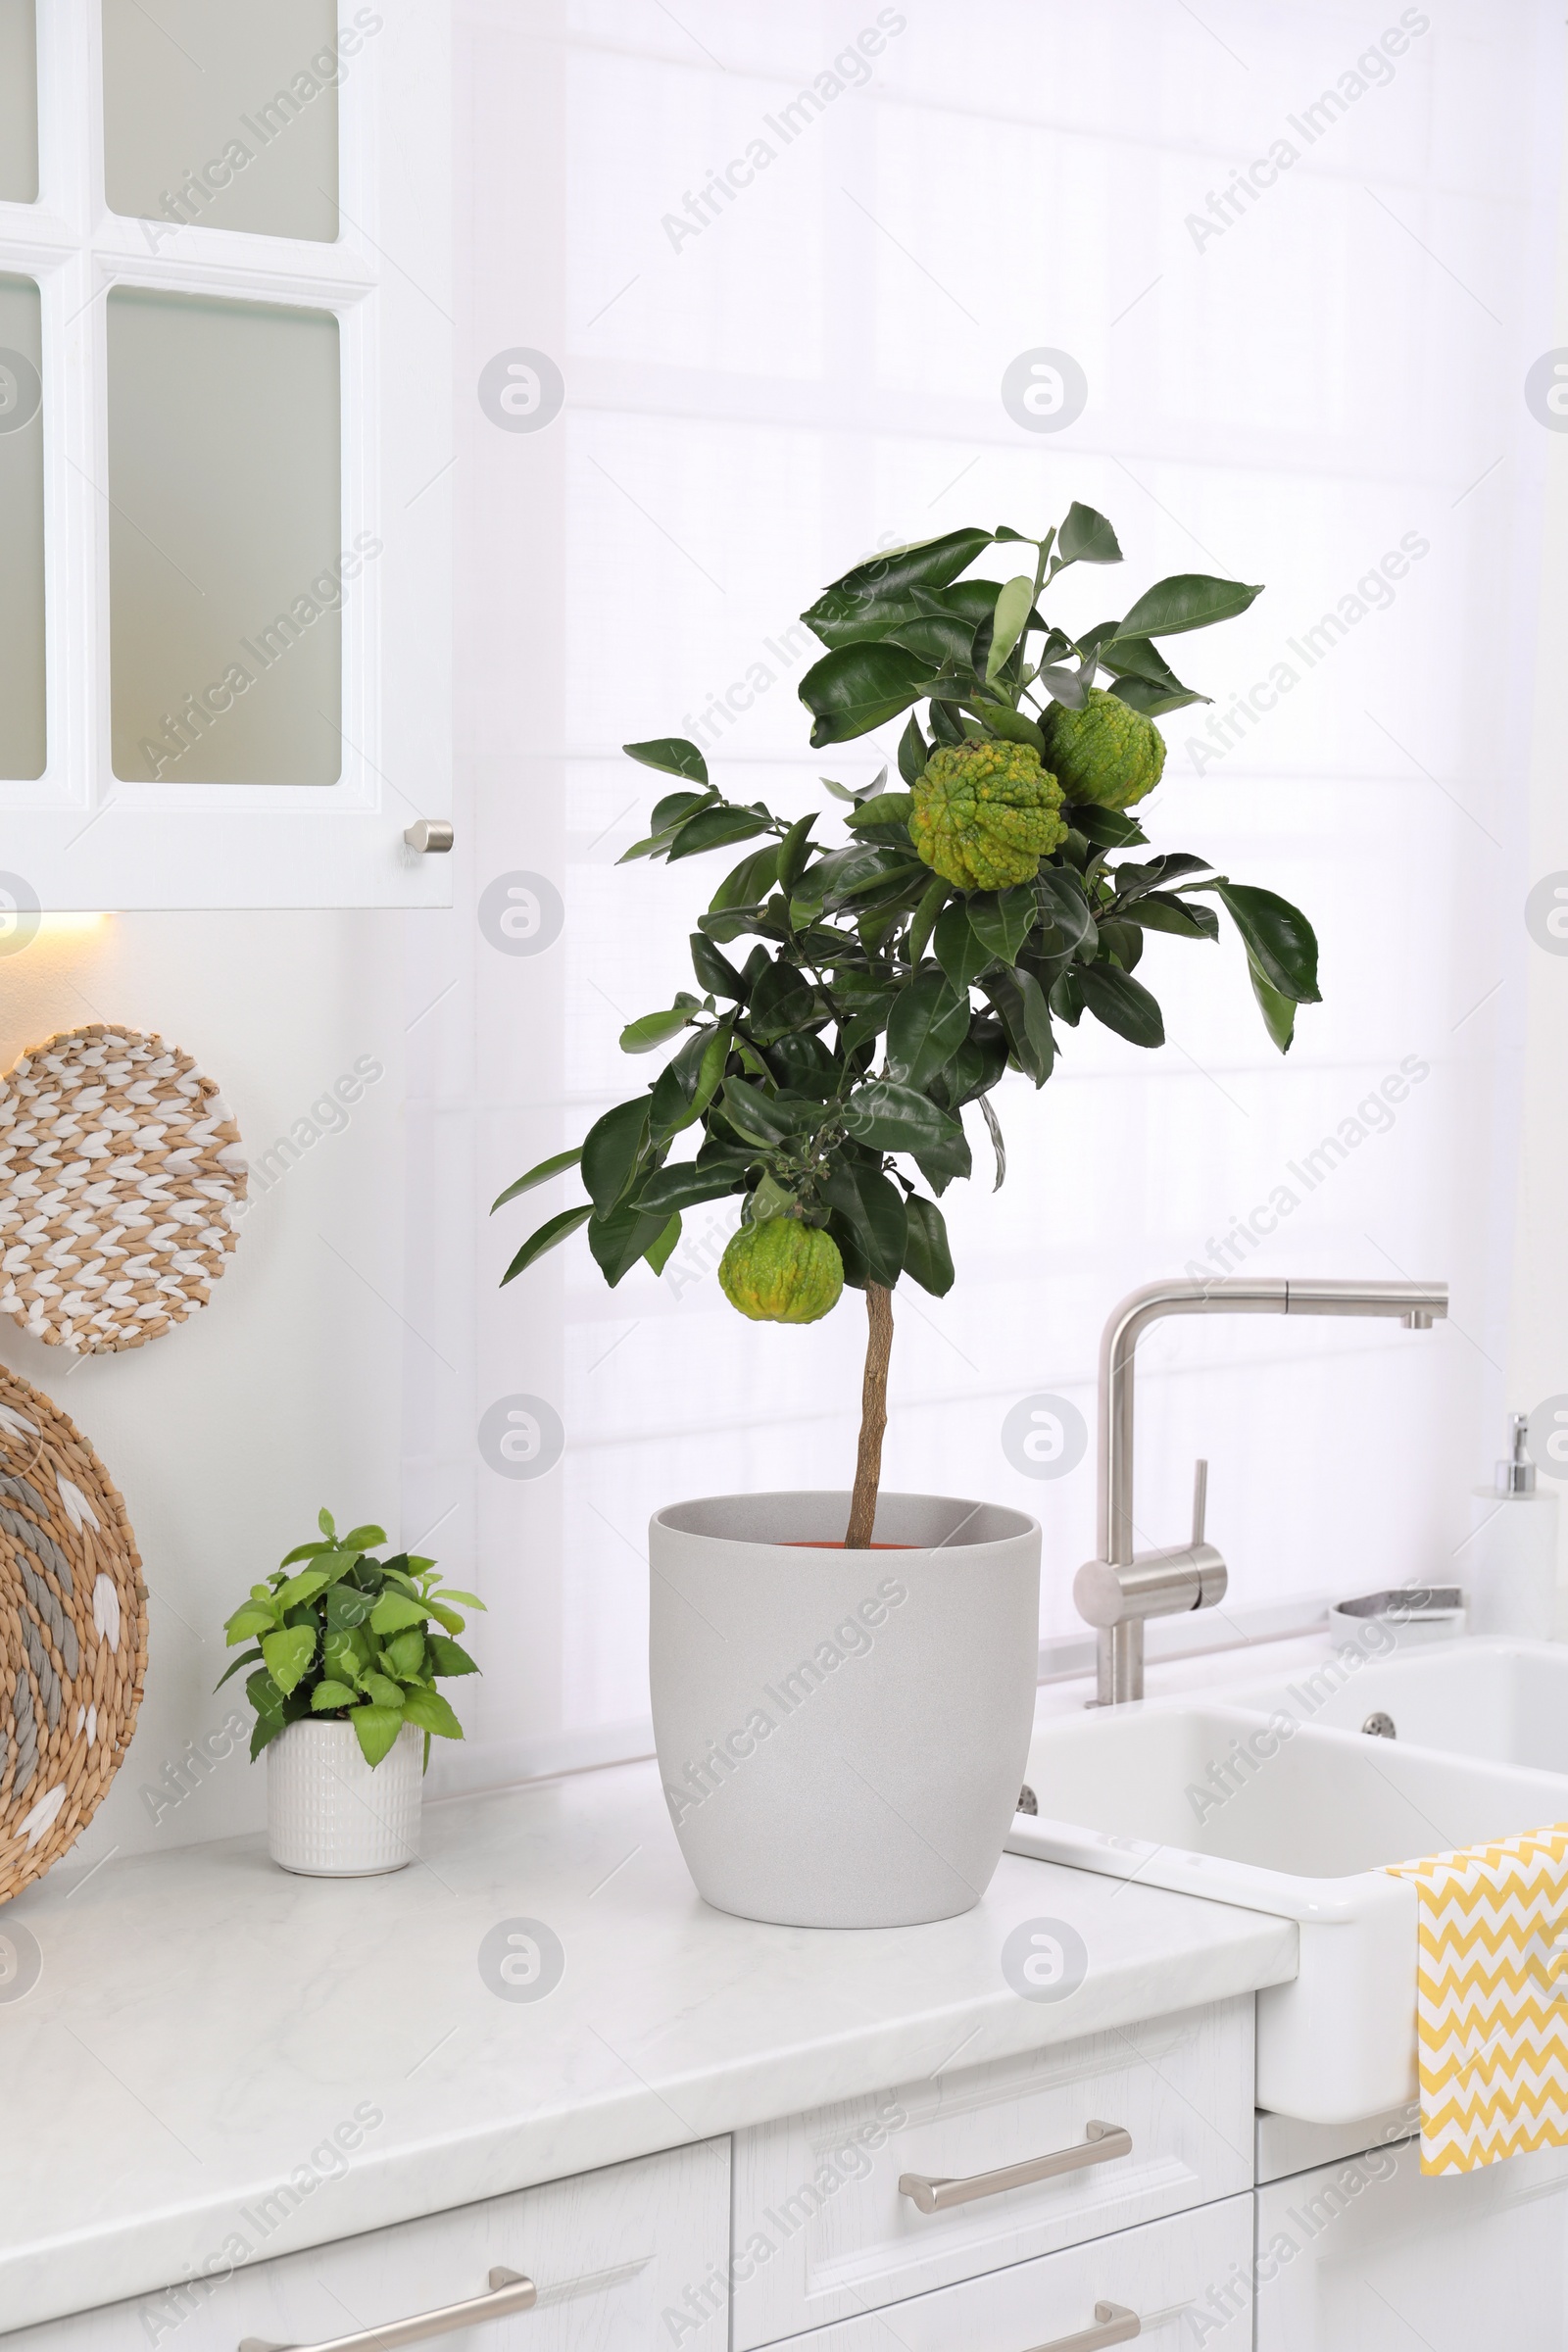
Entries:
{"x":738,"y":290}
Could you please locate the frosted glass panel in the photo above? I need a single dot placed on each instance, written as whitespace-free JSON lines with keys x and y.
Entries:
{"x":226,"y":570}
{"x":224,"y":113}
{"x":18,"y":102}
{"x":22,"y":712}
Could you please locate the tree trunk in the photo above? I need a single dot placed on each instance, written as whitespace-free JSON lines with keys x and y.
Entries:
{"x":874,"y":1417}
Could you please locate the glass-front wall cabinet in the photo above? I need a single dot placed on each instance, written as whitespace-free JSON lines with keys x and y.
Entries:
{"x":226,"y":449}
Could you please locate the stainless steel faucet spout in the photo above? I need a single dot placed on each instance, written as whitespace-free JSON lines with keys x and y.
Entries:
{"x":1117,"y":1591}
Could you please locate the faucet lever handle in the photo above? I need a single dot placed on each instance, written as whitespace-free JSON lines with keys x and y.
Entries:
{"x":1199,"y":1500}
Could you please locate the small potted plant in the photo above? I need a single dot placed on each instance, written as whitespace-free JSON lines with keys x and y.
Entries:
{"x":347,"y":1649}
{"x":843,"y":1684}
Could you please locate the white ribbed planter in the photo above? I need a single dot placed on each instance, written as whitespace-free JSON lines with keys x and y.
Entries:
{"x":330,"y":1815}
{"x":842,"y":1736}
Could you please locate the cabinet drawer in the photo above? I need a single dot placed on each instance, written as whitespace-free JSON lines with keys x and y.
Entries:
{"x":822,"y":2230}
{"x":1367,"y":2252}
{"x":1186,"y":2279}
{"x":610,"y":2253}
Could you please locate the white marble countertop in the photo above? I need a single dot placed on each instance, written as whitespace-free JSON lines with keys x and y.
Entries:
{"x":203,"y":2021}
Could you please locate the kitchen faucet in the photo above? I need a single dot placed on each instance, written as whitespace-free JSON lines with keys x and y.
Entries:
{"x":1117,"y":1591}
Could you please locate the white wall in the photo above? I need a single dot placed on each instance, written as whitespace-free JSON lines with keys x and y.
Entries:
{"x":226,"y":1435}
{"x":814,"y":375}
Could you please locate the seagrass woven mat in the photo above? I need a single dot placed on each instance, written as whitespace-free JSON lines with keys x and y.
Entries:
{"x":73,"y":1632}
{"x":121,"y":1175}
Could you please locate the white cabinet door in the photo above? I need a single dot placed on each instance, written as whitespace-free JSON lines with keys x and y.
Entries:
{"x":619,"y":2259}
{"x":226,"y":431}
{"x":822,"y":2230}
{"x":1367,"y":2256}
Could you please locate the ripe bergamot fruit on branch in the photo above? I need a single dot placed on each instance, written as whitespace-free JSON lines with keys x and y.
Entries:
{"x":782,"y":1271}
{"x":1106,"y":752}
{"x":985,"y":815}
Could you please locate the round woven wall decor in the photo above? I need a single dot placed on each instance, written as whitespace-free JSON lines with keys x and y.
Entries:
{"x":120,"y":1175}
{"x":73,"y":1632}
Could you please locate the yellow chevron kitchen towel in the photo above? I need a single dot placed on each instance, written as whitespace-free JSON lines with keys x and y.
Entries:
{"x":1491,"y":2000}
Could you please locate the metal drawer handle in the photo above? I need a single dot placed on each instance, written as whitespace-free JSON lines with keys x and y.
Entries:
{"x":1099,"y":2145}
{"x":509,"y":2292}
{"x":1115,"y":2324}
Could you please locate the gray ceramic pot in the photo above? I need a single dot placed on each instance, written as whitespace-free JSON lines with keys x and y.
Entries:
{"x":842,"y":1734}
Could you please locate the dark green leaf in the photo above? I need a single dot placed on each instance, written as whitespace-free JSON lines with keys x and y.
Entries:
{"x":1086,"y":537}
{"x":1278,"y":937}
{"x":978,"y":1065}
{"x":853,"y":872}
{"x":850,"y":604}
{"x":868,"y":1020}
{"x":944,"y":1161}
{"x":542,"y":1174}
{"x":1155,"y":700}
{"x":1279,"y":1013}
{"x":544,"y":1237}
{"x":714,"y":970}
{"x":945,"y":723}
{"x":669,"y":1106}
{"x":1122,"y":1003}
{"x":684,"y":1186}
{"x":1062,"y":903}
{"x":857,"y":688}
{"x":793,"y":853}
{"x":963,"y":954}
{"x":927,"y":1257}
{"x":929,"y":1022}
{"x":715,"y":829}
{"x":1189,"y":600}
{"x":1138,"y":658}
{"x":750,"y":882}
{"x":1107,"y":828}
{"x":619,"y":1239}
{"x":1001,"y":920}
{"x":1123,"y":939}
{"x":782,"y":998}
{"x":891,"y":1117}
{"x":611,"y":1149}
{"x":939,"y":639}
{"x":914,"y":752}
{"x":887,"y":808}
{"x":1020,"y":998}
{"x":869,"y":1223}
{"x":1164,"y":910}
{"x":247,"y":1657}
{"x":760,"y":1118}
{"x":659,"y":1253}
{"x":674,"y":755}
{"x":1014,"y":726}
{"x":264,"y":1730}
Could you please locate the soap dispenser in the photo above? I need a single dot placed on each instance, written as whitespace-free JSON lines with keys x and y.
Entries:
{"x":1510,"y":1561}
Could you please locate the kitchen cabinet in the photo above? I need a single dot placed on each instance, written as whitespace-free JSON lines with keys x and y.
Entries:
{"x":610,"y":2253}
{"x":226,"y":436}
{"x":1364,"y":2255}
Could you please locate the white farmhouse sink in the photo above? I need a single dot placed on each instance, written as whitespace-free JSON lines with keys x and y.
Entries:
{"x":1501,"y":1698}
{"x":1291,"y":1817}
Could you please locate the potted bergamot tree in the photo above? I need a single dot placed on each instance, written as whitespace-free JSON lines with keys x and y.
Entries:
{"x":841,"y":1726}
